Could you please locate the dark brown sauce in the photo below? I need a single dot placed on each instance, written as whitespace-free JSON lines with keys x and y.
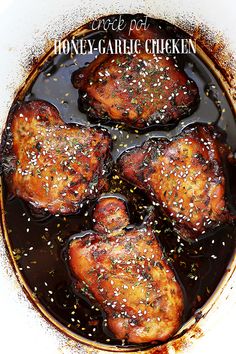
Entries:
{"x":39,"y":241}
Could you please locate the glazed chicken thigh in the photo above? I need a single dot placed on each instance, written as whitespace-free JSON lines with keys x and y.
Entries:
{"x":139,"y":90}
{"x":124,"y":270}
{"x":51,"y":164}
{"x":185,"y":176}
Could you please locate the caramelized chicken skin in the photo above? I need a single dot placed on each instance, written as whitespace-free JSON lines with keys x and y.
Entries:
{"x":139,"y":90}
{"x":185,"y":176}
{"x":124,"y":269}
{"x":51,"y":164}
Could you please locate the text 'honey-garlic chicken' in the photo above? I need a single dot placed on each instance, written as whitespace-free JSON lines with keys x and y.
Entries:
{"x":51,"y":164}
{"x":140,"y":90}
{"x":125,"y":272}
{"x":184,"y":176}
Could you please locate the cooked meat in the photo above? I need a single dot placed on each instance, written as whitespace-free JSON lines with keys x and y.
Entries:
{"x":125,"y":271}
{"x":51,"y":164}
{"x":185,"y":175}
{"x":139,"y":90}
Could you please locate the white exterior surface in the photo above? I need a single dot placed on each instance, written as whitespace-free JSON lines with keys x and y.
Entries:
{"x":24,"y":23}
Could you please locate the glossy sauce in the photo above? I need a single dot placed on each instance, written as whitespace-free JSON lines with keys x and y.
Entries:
{"x":39,"y":241}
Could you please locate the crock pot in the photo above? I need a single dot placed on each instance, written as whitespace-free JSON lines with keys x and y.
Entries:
{"x":27,"y":30}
